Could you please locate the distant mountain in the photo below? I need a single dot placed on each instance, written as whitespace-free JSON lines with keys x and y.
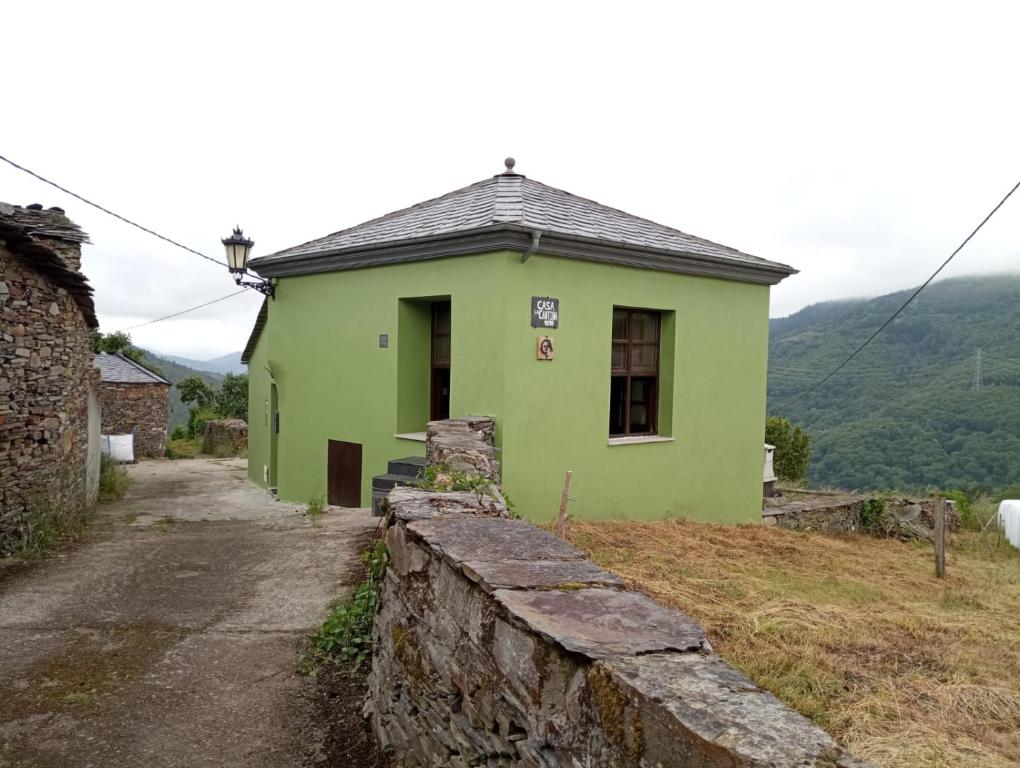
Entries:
{"x":909,"y":412}
{"x":223,"y":365}
{"x":173,"y":371}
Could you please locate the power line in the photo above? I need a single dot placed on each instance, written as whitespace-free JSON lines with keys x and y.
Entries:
{"x":182,"y":312}
{"x":913,"y":296}
{"x":108,"y":211}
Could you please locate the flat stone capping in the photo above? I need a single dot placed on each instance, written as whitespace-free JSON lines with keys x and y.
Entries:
{"x":499,"y":644}
{"x":602,"y":623}
{"x":418,"y":437}
{"x":639,"y":439}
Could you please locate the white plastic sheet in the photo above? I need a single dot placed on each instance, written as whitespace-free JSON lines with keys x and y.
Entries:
{"x":1009,"y":519}
{"x":119,"y":447}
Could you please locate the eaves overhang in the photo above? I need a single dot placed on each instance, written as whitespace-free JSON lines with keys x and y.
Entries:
{"x":519,"y":238}
{"x":256,"y":332}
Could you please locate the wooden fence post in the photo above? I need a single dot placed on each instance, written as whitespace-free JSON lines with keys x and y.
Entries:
{"x":940,"y":538}
{"x":562,"y":524}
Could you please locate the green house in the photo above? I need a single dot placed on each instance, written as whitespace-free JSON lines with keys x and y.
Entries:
{"x":628,"y":352}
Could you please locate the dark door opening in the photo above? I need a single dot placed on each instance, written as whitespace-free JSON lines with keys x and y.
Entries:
{"x":344,"y":474}
{"x":440,"y":379}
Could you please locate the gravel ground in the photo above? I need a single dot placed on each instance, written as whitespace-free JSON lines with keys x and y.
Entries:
{"x":170,"y":637}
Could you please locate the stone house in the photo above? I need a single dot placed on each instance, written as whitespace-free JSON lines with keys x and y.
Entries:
{"x":625,"y":351}
{"x":49,"y":412}
{"x":133,"y":400}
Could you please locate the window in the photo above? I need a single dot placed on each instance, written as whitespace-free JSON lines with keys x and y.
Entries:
{"x":634,"y":386}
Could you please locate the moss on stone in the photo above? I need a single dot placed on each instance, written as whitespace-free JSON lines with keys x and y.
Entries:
{"x":621,"y":722}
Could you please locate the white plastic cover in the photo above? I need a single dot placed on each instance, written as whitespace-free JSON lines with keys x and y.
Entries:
{"x":770,"y":472}
{"x":1009,"y":519}
{"x":119,"y":447}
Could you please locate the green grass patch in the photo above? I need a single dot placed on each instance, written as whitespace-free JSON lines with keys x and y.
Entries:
{"x":316,"y":506}
{"x":346,"y":634}
{"x":184,"y":448}
{"x":113,"y":480}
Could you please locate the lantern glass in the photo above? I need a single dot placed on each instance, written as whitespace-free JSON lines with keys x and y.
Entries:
{"x":237,"y":247}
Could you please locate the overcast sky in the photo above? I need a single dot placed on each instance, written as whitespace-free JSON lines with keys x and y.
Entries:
{"x":859,"y":142}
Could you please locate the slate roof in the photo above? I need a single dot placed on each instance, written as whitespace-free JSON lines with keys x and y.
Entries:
{"x":505,"y":211}
{"x":117,"y":369}
{"x":19,"y":230}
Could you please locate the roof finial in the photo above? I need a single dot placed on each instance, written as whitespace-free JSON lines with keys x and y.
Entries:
{"x":509,"y":163}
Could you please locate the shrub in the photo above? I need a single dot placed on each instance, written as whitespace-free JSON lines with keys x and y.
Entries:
{"x":439,"y":477}
{"x":963,"y":506}
{"x":197,"y":419}
{"x":186,"y":448}
{"x":871,"y":514}
{"x":346,"y":635}
{"x":180,"y":432}
{"x":113,"y":480}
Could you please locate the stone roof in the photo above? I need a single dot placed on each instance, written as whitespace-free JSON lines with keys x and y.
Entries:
{"x":30,"y":233}
{"x":117,"y":369}
{"x":507,"y":211}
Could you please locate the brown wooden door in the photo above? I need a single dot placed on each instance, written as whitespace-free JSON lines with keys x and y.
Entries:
{"x":344,"y":474}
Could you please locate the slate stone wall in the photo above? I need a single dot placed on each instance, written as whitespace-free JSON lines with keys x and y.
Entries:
{"x":499,"y":644}
{"x":225,"y":437}
{"x":904,"y":518}
{"x":140,"y":408}
{"x":466,"y":444}
{"x":46,"y":375}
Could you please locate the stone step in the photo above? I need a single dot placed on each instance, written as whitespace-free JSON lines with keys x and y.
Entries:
{"x":382,"y":485}
{"x":410,"y":466}
{"x":389,"y":481}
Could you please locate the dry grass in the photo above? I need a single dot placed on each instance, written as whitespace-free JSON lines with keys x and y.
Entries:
{"x":856,"y":633}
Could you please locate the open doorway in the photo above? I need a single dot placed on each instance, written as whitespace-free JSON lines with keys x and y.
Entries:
{"x":440,"y":380}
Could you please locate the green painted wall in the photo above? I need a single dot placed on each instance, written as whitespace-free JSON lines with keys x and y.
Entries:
{"x":259,"y":418}
{"x":334,"y":382}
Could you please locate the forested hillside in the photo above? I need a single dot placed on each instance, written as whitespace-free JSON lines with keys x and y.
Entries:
{"x":174,"y":372}
{"x":907,"y":413}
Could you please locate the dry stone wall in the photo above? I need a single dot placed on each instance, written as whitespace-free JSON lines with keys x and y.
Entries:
{"x":466,"y":444}
{"x":225,"y":437}
{"x":142,"y":409}
{"x":824,"y":512}
{"x":499,"y":644}
{"x":46,"y":377}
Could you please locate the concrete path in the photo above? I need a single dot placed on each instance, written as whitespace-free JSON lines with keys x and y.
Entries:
{"x":170,"y":638}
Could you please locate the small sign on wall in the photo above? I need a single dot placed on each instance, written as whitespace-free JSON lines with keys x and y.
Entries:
{"x":545,"y":312}
{"x":545,"y":348}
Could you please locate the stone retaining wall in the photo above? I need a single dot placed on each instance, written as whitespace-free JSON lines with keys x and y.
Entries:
{"x":499,"y":644}
{"x":843,"y":513}
{"x":225,"y":437}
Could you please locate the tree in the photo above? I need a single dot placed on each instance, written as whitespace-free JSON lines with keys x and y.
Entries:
{"x":793,"y":449}
{"x":232,"y":399}
{"x":119,"y":343}
{"x":196,"y":392}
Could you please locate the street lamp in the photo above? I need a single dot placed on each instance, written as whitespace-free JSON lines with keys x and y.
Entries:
{"x":238,"y":247}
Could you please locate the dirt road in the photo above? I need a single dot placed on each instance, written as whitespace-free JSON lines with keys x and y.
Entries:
{"x":170,"y":638}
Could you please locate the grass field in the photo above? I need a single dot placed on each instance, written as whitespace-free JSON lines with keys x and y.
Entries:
{"x":855,"y":632}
